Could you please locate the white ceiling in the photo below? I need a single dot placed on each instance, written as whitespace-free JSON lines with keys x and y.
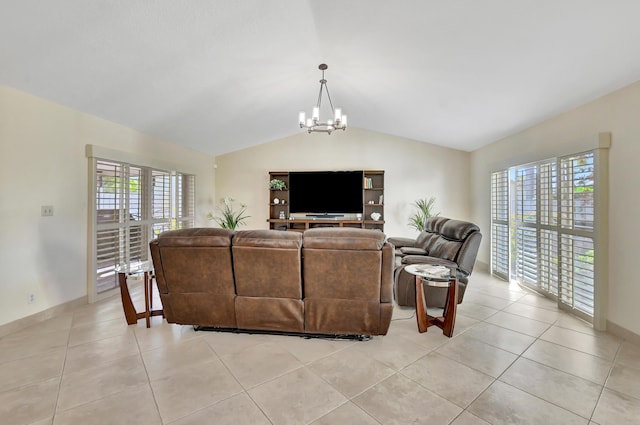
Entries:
{"x":218,"y":76}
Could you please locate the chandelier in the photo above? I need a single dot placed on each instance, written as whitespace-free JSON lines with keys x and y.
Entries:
{"x":314,"y":124}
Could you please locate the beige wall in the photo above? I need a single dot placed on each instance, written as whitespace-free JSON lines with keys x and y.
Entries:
{"x":571,"y":132}
{"x":42,"y":162}
{"x":412,"y":170}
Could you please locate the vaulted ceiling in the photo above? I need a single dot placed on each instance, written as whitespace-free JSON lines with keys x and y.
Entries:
{"x":218,"y":76}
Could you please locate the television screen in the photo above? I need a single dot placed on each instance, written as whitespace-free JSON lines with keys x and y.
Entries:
{"x":325,"y":192}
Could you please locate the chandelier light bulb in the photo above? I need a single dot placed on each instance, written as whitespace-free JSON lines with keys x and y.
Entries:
{"x":302,"y":118}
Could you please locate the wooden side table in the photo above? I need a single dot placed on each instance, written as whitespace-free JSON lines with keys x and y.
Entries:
{"x":447,"y":321}
{"x":145,"y":269}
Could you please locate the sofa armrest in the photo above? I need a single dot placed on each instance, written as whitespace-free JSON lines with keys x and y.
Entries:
{"x":425,"y":259}
{"x":410,"y":250}
{"x":402,"y":242}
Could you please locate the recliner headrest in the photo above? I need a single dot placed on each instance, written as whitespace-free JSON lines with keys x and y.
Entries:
{"x":434,"y":224}
{"x":343,"y":238}
{"x":199,"y":236}
{"x":268,"y":239}
{"x":458,"y":230}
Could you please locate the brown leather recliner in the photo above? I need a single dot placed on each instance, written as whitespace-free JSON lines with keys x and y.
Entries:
{"x":334,"y":281}
{"x":347,"y":281}
{"x":194,"y":274}
{"x":452,"y":243}
{"x":268,"y":274}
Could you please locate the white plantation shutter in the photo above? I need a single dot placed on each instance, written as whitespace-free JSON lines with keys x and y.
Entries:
{"x":185,"y":201}
{"x":133,"y":204}
{"x":161,"y":205}
{"x":577,"y":250}
{"x":548,"y":222}
{"x":500,"y":224}
{"x":526,"y":224}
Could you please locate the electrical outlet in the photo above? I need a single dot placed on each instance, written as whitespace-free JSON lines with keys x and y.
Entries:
{"x":31,"y":298}
{"x":46,"y":210}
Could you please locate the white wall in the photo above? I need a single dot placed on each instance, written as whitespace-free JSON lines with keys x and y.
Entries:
{"x":412,"y":170}
{"x":42,"y":162}
{"x":616,"y":113}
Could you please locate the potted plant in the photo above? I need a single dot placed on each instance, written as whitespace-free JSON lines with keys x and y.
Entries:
{"x":277,"y":184}
{"x":424,"y":208}
{"x":229,"y":218}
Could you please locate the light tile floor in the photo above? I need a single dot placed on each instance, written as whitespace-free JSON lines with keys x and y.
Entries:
{"x":514,"y":359}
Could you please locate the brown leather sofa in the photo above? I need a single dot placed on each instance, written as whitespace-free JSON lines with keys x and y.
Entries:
{"x":452,"y":243}
{"x":327,"y":281}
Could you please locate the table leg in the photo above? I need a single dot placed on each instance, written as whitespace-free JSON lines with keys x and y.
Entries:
{"x":450,"y":308}
{"x":146,"y":299}
{"x":127,"y":305}
{"x":421,"y":307}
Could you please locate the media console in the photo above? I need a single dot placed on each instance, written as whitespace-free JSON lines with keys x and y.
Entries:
{"x":369,"y":198}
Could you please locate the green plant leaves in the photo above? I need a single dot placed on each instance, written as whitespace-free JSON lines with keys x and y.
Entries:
{"x":425,"y":210}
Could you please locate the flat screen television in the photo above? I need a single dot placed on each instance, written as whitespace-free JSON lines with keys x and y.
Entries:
{"x":320,"y":193}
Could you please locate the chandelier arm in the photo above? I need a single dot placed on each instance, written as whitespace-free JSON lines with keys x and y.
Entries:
{"x":329,"y":97}
{"x":319,"y":102}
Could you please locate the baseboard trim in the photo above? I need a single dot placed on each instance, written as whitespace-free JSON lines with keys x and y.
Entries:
{"x":623,"y":333}
{"x":36,"y":318}
{"x":482,"y":266}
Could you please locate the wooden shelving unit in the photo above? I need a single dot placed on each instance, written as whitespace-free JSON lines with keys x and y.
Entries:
{"x":373,"y":197}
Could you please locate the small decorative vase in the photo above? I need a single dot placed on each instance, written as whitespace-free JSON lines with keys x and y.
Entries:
{"x":276,"y":201}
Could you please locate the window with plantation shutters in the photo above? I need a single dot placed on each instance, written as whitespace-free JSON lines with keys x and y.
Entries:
{"x":552,"y":218}
{"x":133,"y":204}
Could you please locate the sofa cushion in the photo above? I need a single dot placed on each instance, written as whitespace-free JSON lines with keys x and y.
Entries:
{"x":267,"y":263}
{"x":409,"y":250}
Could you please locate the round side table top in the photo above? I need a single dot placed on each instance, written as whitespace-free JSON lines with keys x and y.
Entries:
{"x":432,"y":274}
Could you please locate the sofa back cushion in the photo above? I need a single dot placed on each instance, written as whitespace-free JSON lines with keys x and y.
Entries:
{"x":342,"y":263}
{"x":195,"y":260}
{"x":267,"y":263}
{"x":428,"y":237}
{"x":194,"y":274}
{"x":453,"y":243}
{"x":344,"y":280}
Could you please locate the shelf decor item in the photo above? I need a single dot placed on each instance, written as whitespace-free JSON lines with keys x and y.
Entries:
{"x":277,"y":184}
{"x":376,"y":216}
